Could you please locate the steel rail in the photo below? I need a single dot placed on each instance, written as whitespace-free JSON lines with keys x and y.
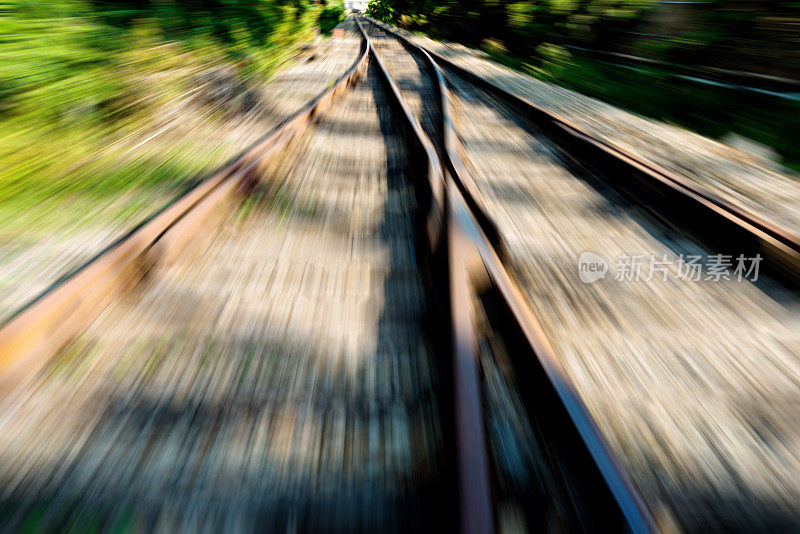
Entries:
{"x":436,"y":184}
{"x":472,"y":463}
{"x":475,"y":265}
{"x":454,"y":164}
{"x":725,"y":222}
{"x":50,"y":321}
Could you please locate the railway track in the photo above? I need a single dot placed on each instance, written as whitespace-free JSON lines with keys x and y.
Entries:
{"x":538,"y":484}
{"x":293,"y":385}
{"x":298,"y":386}
{"x":691,"y":378}
{"x":353,"y":327}
{"x":291,"y":388}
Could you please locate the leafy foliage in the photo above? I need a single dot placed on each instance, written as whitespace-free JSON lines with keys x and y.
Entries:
{"x":74,"y":78}
{"x":330,"y":16}
{"x":382,"y":10}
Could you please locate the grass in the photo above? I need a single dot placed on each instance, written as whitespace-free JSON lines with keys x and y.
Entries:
{"x":81,"y":83}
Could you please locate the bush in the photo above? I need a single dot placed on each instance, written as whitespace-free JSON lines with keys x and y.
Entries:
{"x":382,"y":10}
{"x":330,"y":16}
{"x":76,"y":76}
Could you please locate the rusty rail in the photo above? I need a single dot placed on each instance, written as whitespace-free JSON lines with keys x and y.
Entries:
{"x":46,"y":324}
{"x":476,"y":271}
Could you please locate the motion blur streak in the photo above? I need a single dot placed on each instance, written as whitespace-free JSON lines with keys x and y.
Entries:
{"x":280,"y":377}
{"x":694,"y":383}
{"x":101,"y":126}
{"x":729,"y":69}
{"x":292,"y":369}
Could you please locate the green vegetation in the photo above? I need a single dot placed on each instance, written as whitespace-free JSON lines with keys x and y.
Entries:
{"x":543,"y":38}
{"x":83,"y":82}
{"x":331,"y":15}
{"x":710,"y":110}
{"x":384,"y":10}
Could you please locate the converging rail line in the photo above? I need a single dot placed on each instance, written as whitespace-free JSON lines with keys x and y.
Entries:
{"x":280,"y":377}
{"x":646,"y":344}
{"x":192,"y":397}
{"x":585,"y":472}
{"x":361,"y":324}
